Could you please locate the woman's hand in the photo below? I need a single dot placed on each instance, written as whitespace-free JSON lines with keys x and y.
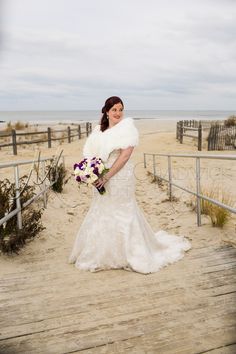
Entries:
{"x":101,"y":181}
{"x":117,"y":165}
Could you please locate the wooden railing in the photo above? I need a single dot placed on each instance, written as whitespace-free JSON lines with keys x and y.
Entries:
{"x":205,"y":125}
{"x":192,"y":126}
{"x":48,"y":136}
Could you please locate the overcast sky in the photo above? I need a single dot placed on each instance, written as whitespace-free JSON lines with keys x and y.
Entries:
{"x":155,"y":54}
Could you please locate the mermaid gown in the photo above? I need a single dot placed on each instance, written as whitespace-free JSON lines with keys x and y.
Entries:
{"x":115,"y":233}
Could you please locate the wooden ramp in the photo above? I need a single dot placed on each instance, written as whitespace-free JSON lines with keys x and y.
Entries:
{"x":56,"y":308}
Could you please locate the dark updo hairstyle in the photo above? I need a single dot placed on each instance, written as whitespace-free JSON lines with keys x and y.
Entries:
{"x":110,"y":102}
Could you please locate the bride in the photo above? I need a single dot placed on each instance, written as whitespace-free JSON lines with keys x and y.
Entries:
{"x":114,"y":233}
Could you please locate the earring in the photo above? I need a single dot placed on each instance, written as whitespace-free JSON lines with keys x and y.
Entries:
{"x":107,"y":117}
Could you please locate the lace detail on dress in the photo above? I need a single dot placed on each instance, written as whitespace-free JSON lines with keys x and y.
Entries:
{"x":115,"y":233}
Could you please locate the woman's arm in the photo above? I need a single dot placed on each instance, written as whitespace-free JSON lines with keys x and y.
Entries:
{"x":117,"y":165}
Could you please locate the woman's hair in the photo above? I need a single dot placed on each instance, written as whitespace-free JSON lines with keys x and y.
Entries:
{"x":110,"y":102}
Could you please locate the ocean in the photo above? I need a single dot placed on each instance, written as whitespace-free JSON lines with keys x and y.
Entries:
{"x":37,"y":117}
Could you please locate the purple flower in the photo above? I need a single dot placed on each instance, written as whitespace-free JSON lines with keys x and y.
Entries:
{"x":95,"y":171}
{"x":80,"y":165}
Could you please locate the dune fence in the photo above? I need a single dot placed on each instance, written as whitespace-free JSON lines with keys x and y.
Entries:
{"x":193,"y":129}
{"x":213,"y":135}
{"x":15,"y":138}
{"x":222,"y":137}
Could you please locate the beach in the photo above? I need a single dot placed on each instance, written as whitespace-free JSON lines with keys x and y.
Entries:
{"x":46,"y":256}
{"x":155,"y":137}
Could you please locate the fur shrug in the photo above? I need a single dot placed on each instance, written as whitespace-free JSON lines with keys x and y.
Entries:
{"x":120,"y":136}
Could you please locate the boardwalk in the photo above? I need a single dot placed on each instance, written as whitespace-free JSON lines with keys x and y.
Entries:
{"x":59,"y":309}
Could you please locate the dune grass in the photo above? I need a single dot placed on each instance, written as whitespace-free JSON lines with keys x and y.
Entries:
{"x":218,"y":215}
{"x":231,"y":121}
{"x":17,"y":126}
{"x":11,"y":238}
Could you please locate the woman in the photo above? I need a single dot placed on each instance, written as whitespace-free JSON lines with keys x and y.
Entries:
{"x":115,"y":233}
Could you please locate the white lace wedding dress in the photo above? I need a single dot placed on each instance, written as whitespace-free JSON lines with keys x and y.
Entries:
{"x":115,"y":234}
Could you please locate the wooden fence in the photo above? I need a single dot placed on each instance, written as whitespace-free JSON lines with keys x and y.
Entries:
{"x":196,"y":127}
{"x":48,"y":136}
{"x":221,"y":137}
{"x":192,"y":126}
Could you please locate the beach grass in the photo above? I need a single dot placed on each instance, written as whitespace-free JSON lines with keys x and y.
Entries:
{"x":219,"y":216}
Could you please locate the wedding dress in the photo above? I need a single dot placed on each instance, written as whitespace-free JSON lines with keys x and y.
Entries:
{"x":115,"y":233}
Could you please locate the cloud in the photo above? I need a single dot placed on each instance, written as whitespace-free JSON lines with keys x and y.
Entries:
{"x":166,"y":52}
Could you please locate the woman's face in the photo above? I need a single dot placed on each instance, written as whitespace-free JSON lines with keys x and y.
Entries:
{"x":115,"y":114}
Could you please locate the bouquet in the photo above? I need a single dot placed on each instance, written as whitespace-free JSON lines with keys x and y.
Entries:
{"x":89,"y":170}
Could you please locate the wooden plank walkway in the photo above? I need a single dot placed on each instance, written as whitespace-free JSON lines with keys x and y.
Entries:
{"x":58,"y":309}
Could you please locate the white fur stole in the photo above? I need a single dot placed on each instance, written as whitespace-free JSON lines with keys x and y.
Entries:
{"x":120,"y":136}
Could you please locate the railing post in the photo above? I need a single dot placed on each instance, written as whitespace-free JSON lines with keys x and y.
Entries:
{"x":79,"y":131}
{"x":154,"y":165}
{"x":18,"y":204}
{"x":181,"y":132}
{"x":44,"y":185}
{"x":198,"y":190}
{"x":144,"y":161}
{"x":87,"y":129}
{"x":69,"y":136}
{"x":49,"y":138}
{"x":200,"y":137}
{"x":170,"y":178}
{"x":14,"y":142}
{"x":177,"y":130}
